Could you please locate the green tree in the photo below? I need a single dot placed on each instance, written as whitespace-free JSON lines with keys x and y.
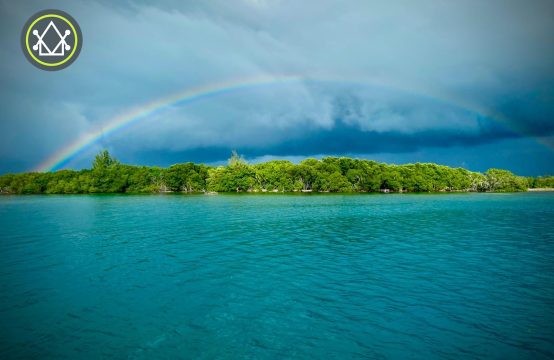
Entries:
{"x":504,"y":180}
{"x":334,"y":174}
{"x":104,"y":160}
{"x":108,"y":176}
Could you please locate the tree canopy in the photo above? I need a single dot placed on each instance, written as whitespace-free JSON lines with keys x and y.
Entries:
{"x":330,"y":174}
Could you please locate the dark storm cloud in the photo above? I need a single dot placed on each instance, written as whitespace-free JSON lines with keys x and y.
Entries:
{"x":447,"y":69}
{"x":341,"y":139}
{"x":522,"y":155}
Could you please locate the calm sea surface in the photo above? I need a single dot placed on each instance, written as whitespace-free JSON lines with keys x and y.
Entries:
{"x":277,"y":276}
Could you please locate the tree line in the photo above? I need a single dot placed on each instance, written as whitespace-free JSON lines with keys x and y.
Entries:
{"x":330,"y":174}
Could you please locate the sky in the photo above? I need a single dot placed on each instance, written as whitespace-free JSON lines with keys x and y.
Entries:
{"x":460,"y":83}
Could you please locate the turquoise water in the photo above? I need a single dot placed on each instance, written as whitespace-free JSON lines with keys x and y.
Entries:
{"x":277,"y":276}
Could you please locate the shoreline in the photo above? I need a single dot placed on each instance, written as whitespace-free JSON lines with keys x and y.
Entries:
{"x":279,"y":193}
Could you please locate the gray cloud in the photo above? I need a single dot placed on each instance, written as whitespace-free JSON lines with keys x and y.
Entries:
{"x":431,"y":58}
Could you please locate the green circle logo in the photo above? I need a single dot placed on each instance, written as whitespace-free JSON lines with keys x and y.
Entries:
{"x":51,"y":40}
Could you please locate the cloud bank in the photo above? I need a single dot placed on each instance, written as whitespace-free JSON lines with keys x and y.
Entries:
{"x":379,"y":78}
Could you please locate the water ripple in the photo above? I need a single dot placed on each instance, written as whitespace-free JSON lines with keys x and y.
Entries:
{"x":347,"y":276}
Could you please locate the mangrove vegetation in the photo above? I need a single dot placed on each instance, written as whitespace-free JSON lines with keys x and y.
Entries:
{"x":330,"y":174}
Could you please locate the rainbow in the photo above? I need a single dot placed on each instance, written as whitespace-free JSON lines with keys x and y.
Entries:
{"x":61,"y":158}
{"x":72,"y":151}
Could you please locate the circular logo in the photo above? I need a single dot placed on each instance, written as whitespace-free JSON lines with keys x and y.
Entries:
{"x":51,"y":40}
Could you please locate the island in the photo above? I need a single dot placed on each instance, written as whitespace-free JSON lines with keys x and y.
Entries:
{"x":330,"y":174}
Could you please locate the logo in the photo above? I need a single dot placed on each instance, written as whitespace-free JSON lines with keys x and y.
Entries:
{"x":51,"y":40}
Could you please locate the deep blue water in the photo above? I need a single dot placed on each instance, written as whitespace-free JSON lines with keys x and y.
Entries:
{"x":275,"y":276}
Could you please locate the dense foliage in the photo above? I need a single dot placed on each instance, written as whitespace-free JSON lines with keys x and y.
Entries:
{"x":327,"y":175}
{"x":544,"y":182}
